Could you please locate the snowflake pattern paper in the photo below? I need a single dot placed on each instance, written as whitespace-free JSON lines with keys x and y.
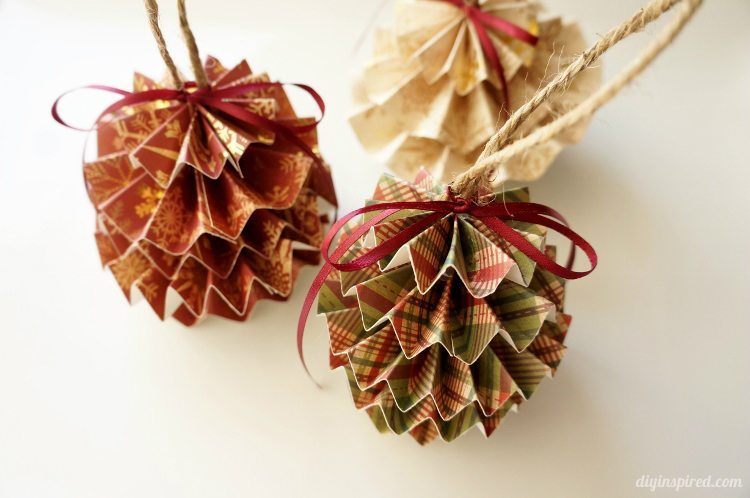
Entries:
{"x":195,"y":204}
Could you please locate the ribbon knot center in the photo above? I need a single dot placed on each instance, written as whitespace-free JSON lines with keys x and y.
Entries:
{"x":469,"y":10}
{"x":194,"y":97}
{"x":460,"y":205}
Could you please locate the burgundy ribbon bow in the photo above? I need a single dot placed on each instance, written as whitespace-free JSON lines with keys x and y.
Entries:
{"x":492,"y":215}
{"x":483,"y":21}
{"x":223,"y":99}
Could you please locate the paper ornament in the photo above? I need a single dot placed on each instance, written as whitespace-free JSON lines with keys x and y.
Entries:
{"x":450,"y":72}
{"x":444,"y":304}
{"x":452,"y":330}
{"x":210,"y":195}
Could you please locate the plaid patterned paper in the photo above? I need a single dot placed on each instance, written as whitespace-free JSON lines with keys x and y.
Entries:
{"x":448,"y":340}
{"x":423,"y":426}
{"x":465,"y":244}
{"x":192,"y":200}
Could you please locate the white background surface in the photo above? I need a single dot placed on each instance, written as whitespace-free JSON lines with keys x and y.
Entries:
{"x":100,"y":400}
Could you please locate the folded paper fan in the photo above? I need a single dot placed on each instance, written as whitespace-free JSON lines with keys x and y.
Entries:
{"x":444,"y":305}
{"x":453,"y":330}
{"x":449,"y":72}
{"x":219,"y":203}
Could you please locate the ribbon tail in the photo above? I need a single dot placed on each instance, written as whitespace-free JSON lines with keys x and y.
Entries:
{"x":259,"y":121}
{"x":539,"y":257}
{"x":128,"y":99}
{"x":229,"y":94}
{"x":307,"y":305}
{"x":322,"y":275}
{"x":494,"y":59}
{"x":504,"y":26}
{"x":389,"y":246}
{"x":56,"y":104}
{"x":387,"y":208}
{"x":577,"y":242}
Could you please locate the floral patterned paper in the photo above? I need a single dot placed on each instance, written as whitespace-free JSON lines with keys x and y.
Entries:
{"x":430,"y":99}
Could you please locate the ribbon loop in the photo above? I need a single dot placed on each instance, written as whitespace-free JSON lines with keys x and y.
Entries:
{"x":225,"y":100}
{"x":494,"y":216}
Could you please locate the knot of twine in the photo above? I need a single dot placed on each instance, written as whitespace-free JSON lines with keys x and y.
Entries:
{"x":152,"y":11}
{"x":500,"y":148}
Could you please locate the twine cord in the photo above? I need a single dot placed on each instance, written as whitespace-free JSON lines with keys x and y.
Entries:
{"x":195,"y":58}
{"x":500,"y":148}
{"x":152,"y":12}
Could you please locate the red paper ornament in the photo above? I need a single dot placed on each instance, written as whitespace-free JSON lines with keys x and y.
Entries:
{"x":210,"y":192}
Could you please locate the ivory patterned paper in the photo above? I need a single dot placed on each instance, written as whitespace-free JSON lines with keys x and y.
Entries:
{"x":193,"y":203}
{"x":454,"y":330}
{"x":430,"y":99}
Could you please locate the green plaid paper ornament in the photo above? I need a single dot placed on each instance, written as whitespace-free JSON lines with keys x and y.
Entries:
{"x":454,"y":330}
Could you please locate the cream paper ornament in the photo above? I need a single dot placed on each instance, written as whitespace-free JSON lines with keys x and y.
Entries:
{"x":430,"y":97}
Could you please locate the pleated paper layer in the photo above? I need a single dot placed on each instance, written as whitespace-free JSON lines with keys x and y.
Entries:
{"x":430,"y":99}
{"x":198,"y":209}
{"x":454,"y":330}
